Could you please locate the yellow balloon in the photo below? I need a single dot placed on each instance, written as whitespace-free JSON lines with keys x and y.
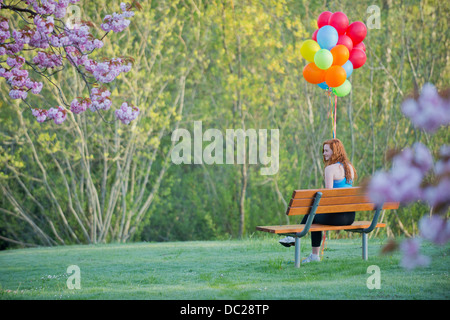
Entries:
{"x":309,"y":49}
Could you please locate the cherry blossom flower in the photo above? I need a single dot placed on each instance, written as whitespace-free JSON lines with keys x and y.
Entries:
{"x":35,"y":87}
{"x":79,"y":105}
{"x":442,"y":166}
{"x":127,"y":113}
{"x":430,"y":111}
{"x":47,"y":60}
{"x":40,"y":114}
{"x":438,"y":196}
{"x":57,"y":114}
{"x":18,"y":94}
{"x":107,"y":71}
{"x":435,"y":229}
{"x":100,"y":99}
{"x":44,"y":26}
{"x":403,"y":182}
{"x":15,"y":61}
{"x":117,"y":22}
{"x":411,"y":257}
{"x":4,"y":29}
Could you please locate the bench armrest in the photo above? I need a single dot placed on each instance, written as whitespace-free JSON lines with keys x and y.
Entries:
{"x":374,"y":221}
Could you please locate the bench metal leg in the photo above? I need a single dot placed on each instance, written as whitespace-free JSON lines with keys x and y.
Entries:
{"x":365,"y":248}
{"x":305,"y":230}
{"x":297,"y":252}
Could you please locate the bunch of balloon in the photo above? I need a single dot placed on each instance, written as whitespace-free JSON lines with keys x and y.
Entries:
{"x":335,"y":50}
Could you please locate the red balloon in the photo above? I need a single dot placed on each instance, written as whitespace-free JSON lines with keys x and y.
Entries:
{"x":314,"y":36}
{"x":357,"y":31}
{"x":346,"y":41}
{"x":358,"y":58}
{"x":339,"y":21}
{"x":323,"y":19}
{"x":361,"y":46}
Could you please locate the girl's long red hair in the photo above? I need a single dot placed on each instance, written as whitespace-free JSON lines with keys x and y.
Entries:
{"x":339,"y":155}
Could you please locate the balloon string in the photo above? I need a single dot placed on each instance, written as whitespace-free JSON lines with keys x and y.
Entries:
{"x":330,"y":113}
{"x":332,"y":121}
{"x":324,"y":245}
{"x":335,"y":107}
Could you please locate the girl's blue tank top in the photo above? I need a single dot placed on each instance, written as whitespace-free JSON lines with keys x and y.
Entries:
{"x":342,"y":183}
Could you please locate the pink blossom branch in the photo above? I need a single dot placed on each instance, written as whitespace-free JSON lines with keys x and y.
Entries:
{"x":412,"y":169}
{"x":48,"y":31}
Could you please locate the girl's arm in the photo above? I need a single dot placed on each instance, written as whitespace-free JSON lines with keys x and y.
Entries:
{"x":329,"y":175}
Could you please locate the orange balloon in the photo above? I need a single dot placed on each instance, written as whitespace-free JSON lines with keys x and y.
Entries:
{"x":340,"y":55}
{"x":313,"y":74}
{"x":335,"y":76}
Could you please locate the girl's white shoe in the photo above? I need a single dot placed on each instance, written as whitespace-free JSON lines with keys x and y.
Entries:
{"x":288,"y":241}
{"x":311,"y":258}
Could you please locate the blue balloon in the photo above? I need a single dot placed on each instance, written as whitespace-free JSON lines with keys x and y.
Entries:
{"x":348,"y":67}
{"x":327,"y":37}
{"x":323,"y":85}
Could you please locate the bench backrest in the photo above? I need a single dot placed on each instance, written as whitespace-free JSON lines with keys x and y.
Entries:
{"x":333,"y":200}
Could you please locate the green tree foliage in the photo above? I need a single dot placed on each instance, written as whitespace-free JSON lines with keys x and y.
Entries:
{"x":230,"y":64}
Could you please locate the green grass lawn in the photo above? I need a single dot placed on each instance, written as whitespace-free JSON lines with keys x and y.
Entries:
{"x":251,"y":269}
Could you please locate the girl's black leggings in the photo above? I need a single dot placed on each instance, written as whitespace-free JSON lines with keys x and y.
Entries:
{"x":334,"y":219}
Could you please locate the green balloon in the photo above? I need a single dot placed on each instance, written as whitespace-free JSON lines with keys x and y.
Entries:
{"x":343,"y":89}
{"x":323,"y":59}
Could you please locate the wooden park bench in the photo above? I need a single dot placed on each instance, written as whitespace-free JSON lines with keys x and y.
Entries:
{"x":334,"y":201}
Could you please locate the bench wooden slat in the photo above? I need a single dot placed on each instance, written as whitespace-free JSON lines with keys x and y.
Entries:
{"x":293,"y":211}
{"x":329,"y":201}
{"x":352,"y":191}
{"x":288,"y":229}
